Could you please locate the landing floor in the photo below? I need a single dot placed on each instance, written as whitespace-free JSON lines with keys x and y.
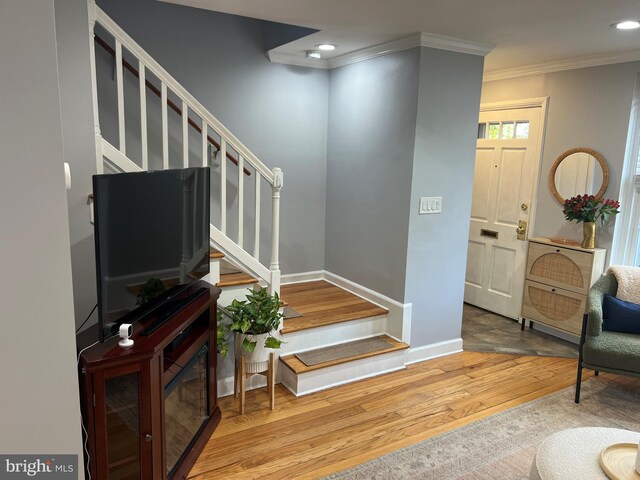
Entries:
{"x":322,"y":303}
{"x":484,"y":331}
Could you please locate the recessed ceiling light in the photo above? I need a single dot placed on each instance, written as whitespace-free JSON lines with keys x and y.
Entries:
{"x":627,"y":25}
{"x":313,"y":54}
{"x":327,"y":47}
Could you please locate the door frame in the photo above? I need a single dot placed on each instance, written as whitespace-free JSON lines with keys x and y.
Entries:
{"x":536,"y":102}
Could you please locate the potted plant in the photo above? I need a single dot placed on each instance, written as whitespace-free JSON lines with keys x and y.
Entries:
{"x":253,"y":321}
{"x":586,"y":208}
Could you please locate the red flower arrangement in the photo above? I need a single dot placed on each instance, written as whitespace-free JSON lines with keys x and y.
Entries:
{"x":586,"y":208}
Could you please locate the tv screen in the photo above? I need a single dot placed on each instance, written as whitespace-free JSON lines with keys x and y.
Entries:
{"x":152,"y":239}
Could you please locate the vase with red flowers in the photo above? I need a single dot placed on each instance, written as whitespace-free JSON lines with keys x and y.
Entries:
{"x":588,"y":209}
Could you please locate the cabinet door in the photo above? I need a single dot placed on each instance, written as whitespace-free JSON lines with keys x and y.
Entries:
{"x":122,"y":423}
{"x":552,"y":306}
{"x":561,"y":267}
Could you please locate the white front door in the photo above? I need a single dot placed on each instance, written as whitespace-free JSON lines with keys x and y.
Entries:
{"x":505,"y":170}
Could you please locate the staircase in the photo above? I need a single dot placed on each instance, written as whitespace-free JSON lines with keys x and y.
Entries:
{"x":213,"y":137}
{"x":329,"y":320}
{"x":334,"y":321}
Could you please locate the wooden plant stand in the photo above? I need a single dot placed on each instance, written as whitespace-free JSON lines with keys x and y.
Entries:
{"x":240,"y":381}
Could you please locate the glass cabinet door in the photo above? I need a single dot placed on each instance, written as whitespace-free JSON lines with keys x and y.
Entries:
{"x":122,"y":401}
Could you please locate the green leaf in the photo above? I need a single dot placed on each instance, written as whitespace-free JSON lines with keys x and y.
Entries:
{"x":272,"y":342}
{"x":249,"y":346}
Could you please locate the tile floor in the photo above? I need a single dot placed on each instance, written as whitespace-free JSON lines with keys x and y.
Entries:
{"x":484,"y":331}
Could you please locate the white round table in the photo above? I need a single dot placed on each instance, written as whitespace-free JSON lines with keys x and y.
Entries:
{"x":573,"y":454}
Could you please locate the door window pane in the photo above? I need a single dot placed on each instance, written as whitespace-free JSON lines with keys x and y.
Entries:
{"x":507,"y":130}
{"x":482,"y":130}
{"x":522,"y":130}
{"x":494,"y":131}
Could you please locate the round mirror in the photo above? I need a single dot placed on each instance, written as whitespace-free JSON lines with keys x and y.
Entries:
{"x":578,"y":171}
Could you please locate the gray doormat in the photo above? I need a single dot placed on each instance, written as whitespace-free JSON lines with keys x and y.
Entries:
{"x":345,"y":350}
{"x":290,"y":312}
{"x":226,"y":268}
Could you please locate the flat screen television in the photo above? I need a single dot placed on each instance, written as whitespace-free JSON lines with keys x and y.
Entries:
{"x":152,"y":240}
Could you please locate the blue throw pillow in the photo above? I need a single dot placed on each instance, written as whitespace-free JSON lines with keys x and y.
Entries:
{"x":620,"y":316}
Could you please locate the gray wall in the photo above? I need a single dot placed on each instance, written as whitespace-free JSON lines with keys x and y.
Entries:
{"x":78,"y":136}
{"x":372,"y":118}
{"x":588,"y":107}
{"x":278,"y":111}
{"x":39,"y":409}
{"x":443,"y":165}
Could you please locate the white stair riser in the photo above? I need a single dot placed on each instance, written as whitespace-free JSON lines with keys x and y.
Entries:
{"x":214,"y":272}
{"x":321,"y":379}
{"x":333,"y":334}
{"x":230,"y":293}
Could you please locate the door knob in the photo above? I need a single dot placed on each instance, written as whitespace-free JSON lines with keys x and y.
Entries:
{"x":520,"y":230}
{"x":148,"y":438}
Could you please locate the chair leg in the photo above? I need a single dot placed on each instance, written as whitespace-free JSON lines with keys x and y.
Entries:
{"x":583,"y":334}
{"x":578,"y":382}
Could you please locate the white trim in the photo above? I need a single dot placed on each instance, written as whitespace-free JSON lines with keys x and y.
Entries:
{"x":434,"y":350}
{"x":297,"y":60}
{"x":399,"y":317}
{"x":513,"y":104}
{"x":453,"y":44}
{"x":167,"y":80}
{"x":368,"y":53}
{"x":561,"y":65}
{"x":431,"y":40}
{"x":625,"y":234}
{"x":543,"y":104}
{"x":302,"y":277}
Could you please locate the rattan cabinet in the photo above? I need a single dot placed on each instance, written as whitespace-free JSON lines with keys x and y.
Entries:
{"x":558,"y":277}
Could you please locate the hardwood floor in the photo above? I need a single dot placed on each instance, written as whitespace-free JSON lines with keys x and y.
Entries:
{"x":328,"y":431}
{"x":322,"y":303}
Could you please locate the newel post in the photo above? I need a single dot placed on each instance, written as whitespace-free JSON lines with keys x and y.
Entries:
{"x":275,"y":230}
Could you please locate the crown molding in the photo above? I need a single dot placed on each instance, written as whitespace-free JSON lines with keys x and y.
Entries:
{"x":452,"y":44}
{"x":368,"y":53}
{"x":562,"y":65}
{"x":430,"y":40}
{"x":296,"y":60}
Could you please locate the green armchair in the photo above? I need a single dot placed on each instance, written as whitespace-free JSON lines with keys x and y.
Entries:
{"x":602,"y":350}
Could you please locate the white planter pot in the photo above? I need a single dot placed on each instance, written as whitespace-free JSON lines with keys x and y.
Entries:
{"x":258,"y":360}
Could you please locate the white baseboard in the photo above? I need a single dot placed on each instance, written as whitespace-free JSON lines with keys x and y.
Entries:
{"x":399,"y":318}
{"x":301,"y":277}
{"x":434,"y":350}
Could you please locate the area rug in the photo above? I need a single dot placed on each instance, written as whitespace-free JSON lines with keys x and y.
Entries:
{"x":503,"y":446}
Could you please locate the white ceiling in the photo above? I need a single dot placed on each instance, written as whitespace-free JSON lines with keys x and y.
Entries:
{"x":524,"y":32}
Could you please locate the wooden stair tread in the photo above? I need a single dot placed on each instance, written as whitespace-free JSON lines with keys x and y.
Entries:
{"x":296,"y":366}
{"x":234,"y":279}
{"x":213,"y":253}
{"x":322,"y":303}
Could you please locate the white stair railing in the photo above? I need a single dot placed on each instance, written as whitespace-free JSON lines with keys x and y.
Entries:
{"x":116,"y":157}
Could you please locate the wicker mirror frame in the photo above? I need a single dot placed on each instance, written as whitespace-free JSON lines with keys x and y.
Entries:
{"x":594,"y":154}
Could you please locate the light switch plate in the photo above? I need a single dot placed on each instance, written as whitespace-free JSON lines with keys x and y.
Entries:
{"x":430,"y":205}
